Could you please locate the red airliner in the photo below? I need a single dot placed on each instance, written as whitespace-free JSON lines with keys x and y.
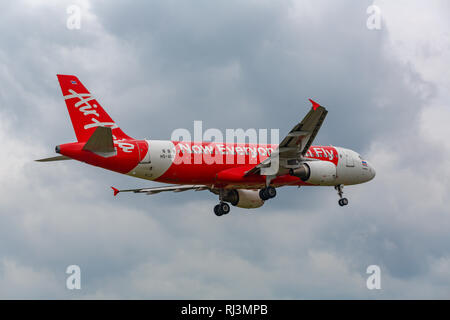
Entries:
{"x":244,"y":175}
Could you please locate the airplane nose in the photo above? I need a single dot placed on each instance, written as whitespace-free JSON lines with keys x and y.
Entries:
{"x":373,"y":173}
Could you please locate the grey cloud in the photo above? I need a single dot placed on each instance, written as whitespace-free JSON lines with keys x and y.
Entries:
{"x":157,"y":66}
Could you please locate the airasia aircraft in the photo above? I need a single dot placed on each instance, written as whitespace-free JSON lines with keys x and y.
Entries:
{"x":244,"y":175}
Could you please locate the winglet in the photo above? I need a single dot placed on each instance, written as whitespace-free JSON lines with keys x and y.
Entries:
{"x":315,"y":105}
{"x":116,"y":191}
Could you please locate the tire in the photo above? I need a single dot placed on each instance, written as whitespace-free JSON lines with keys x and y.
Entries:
{"x":224,"y":208}
{"x":344,"y":201}
{"x":217,"y":210}
{"x":271,"y":192}
{"x":263,"y":194}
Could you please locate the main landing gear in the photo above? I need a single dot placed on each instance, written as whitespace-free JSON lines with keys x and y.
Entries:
{"x":267,"y":193}
{"x":342,"y":201}
{"x":221,"y":209}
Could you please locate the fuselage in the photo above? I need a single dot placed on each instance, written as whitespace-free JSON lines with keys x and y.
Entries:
{"x":221,"y":165}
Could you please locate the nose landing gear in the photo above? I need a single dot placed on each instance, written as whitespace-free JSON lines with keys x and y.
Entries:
{"x":342,"y":201}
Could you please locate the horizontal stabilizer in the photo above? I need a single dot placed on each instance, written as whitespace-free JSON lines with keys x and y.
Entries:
{"x":175,"y":188}
{"x":101,"y":142}
{"x":57,"y":158}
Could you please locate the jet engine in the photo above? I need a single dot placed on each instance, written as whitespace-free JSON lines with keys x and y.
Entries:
{"x":247,"y":199}
{"x":315,"y":172}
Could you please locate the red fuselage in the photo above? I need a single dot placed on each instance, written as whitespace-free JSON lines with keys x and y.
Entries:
{"x":219,"y":164}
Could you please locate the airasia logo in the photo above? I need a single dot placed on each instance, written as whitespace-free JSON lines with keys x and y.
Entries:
{"x":125,"y":146}
{"x":87,"y":109}
{"x":321,"y":152}
{"x":84,"y":106}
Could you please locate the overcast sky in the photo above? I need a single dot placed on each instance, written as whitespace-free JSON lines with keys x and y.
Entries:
{"x":159,"y":65}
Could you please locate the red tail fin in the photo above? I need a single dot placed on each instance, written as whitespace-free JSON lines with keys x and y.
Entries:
{"x":85,"y":112}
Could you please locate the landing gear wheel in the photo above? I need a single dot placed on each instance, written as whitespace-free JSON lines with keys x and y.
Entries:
{"x":343,"y":202}
{"x":271,"y":192}
{"x":217,"y":210}
{"x":221,"y":209}
{"x":267,"y":193}
{"x":224,"y":208}
{"x":263,"y":194}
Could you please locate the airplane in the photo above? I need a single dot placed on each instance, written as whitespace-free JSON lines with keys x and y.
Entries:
{"x":244,"y":175}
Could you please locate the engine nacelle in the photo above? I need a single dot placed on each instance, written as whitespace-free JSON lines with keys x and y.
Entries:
{"x":316,"y":172}
{"x":247,"y":199}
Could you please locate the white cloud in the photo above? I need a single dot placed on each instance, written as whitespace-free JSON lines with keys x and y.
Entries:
{"x":16,"y":280}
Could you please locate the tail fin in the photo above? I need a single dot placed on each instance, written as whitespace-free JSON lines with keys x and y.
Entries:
{"x":85,"y":112}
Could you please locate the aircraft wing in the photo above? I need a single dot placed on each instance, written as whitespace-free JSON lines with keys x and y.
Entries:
{"x":295,"y":145}
{"x":174,"y":188}
{"x":300,"y":138}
